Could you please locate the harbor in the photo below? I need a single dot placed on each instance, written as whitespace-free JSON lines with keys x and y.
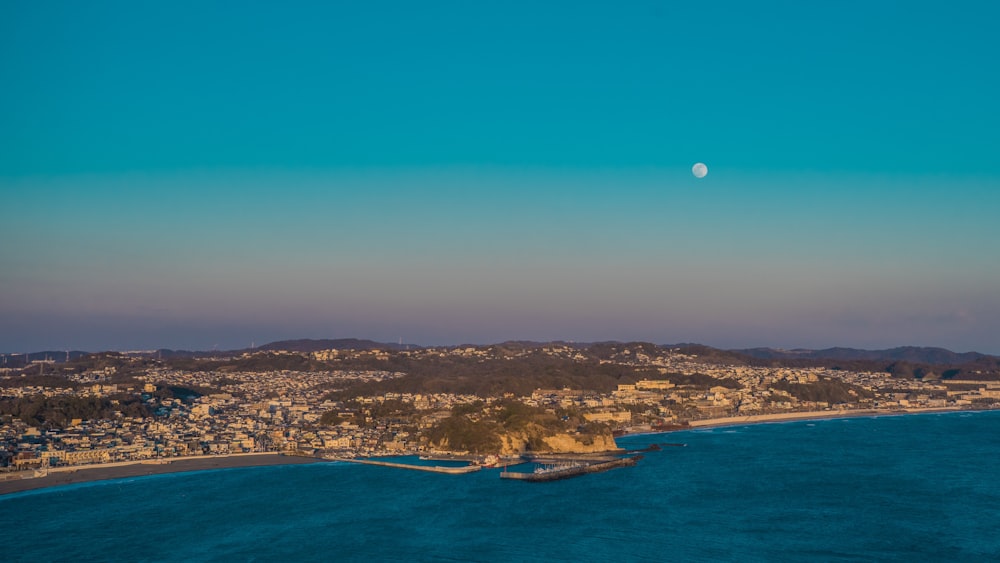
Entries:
{"x":547,"y":467}
{"x":566,"y":470}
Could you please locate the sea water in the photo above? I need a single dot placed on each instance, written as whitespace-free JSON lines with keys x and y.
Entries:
{"x":903,"y":488}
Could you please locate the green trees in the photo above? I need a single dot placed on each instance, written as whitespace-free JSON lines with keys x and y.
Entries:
{"x":825,"y":390}
{"x":58,"y":412}
{"x":461,"y":433}
{"x":482,"y":429}
{"x":331,"y":418}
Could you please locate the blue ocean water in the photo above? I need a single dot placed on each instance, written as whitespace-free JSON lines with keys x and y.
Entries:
{"x":902,"y":488}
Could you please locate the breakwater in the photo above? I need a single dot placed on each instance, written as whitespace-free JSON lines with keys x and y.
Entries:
{"x":431,"y":468}
{"x":571,"y":471}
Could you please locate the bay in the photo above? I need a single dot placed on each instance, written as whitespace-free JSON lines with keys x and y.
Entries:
{"x":895,"y":488}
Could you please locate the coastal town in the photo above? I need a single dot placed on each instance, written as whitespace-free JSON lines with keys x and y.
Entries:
{"x":161,"y":412}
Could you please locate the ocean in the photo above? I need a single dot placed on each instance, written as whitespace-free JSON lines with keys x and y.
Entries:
{"x":895,"y":488}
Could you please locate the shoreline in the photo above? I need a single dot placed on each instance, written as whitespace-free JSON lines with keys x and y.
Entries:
{"x":776,"y":418}
{"x":808,"y":415}
{"x":70,"y":475}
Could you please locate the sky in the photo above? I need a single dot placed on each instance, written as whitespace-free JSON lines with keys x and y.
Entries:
{"x":193,"y":175}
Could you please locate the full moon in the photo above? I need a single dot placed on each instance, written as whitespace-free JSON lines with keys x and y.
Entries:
{"x":699,"y":170}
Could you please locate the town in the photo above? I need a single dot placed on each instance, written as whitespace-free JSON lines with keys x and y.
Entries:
{"x":162,"y":410}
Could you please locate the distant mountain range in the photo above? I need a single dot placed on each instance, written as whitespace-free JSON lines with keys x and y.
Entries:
{"x":911,"y":354}
{"x":309,"y":345}
{"x":301,"y":345}
{"x":914,"y":354}
{"x":19,"y":360}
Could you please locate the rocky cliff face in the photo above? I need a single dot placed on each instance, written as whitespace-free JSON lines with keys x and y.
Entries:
{"x":515,"y":443}
{"x":565,"y":443}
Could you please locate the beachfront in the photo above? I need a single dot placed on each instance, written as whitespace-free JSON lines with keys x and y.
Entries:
{"x":141,"y":427}
{"x":31,"y":480}
{"x":811,"y":415}
{"x":26,"y":480}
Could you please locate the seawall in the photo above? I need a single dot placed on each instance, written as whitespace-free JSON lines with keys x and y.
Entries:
{"x":431,"y":468}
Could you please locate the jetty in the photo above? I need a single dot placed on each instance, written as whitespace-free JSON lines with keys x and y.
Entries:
{"x":430,"y":468}
{"x":658,"y":447}
{"x":572,"y":470}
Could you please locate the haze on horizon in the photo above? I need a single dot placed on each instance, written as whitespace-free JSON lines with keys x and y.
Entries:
{"x":195,"y":175}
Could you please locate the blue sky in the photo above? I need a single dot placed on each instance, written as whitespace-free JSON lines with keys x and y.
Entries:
{"x":201,"y":174}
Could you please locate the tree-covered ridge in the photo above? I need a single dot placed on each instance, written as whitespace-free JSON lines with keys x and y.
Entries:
{"x":825,"y":390}
{"x":367,"y":355}
{"x":60,"y":411}
{"x":494,"y":377}
{"x":549,"y":368}
{"x":481,"y":428}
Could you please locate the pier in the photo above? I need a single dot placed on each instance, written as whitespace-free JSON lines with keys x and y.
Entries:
{"x":430,"y":468}
{"x":571,"y":471}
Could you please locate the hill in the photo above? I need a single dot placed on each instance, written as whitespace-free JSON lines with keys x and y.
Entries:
{"x":310,"y":345}
{"x":913,"y":354}
{"x":20,"y":360}
{"x":503,"y":365}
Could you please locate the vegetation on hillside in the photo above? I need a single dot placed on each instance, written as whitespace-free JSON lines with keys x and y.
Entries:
{"x":483,"y":429}
{"x":494,"y":377}
{"x":825,"y":390}
{"x":461,"y":433}
{"x":509,"y":363}
{"x":58,"y":412}
{"x":698,"y":380}
{"x":255,"y":363}
{"x":53,"y":381}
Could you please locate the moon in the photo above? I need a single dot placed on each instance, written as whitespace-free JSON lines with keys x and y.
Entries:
{"x":699,"y":170}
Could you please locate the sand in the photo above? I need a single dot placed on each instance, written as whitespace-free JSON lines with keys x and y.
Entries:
{"x":810,"y":415}
{"x":795,"y":416}
{"x":101,"y":472}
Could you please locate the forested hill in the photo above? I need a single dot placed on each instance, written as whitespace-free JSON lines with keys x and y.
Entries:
{"x":514,"y":365}
{"x":913,"y":354}
{"x":310,"y":345}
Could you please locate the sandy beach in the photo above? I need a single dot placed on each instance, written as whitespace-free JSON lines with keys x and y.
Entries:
{"x":810,"y":415}
{"x":796,"y":416}
{"x":101,"y":472}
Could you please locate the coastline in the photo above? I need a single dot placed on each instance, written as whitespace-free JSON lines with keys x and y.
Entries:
{"x":810,"y":415}
{"x":101,"y":472}
{"x":800,"y":416}
{"x":105,"y":471}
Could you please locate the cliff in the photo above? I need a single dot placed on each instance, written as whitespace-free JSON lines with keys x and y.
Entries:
{"x":514,"y":443}
{"x":565,"y":443}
